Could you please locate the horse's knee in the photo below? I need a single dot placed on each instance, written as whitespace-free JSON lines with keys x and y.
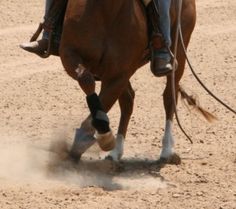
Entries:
{"x":86,"y":80}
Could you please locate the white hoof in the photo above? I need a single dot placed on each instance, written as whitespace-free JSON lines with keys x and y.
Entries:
{"x":117,"y":153}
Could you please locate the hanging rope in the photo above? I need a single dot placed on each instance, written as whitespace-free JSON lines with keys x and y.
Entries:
{"x":178,"y":28}
{"x":198,"y":79}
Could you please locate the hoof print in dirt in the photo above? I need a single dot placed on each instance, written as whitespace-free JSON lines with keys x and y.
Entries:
{"x":115,"y":166}
{"x":172,"y":160}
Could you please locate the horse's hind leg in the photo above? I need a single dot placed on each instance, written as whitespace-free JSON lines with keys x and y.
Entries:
{"x":188,"y":23}
{"x":126,"y":101}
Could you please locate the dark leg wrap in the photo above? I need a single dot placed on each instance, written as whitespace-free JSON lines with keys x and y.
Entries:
{"x":99,"y":118}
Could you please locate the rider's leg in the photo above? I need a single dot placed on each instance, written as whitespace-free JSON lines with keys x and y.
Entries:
{"x":41,"y":45}
{"x":48,"y":3}
{"x":161,"y":59}
{"x":164,"y":25}
{"x":56,"y":32}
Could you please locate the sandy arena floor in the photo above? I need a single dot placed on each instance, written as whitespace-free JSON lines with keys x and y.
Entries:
{"x":39,"y":103}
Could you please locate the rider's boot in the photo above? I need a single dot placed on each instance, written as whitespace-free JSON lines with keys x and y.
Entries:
{"x":53,"y":20}
{"x":38,"y":47}
{"x":160,"y":41}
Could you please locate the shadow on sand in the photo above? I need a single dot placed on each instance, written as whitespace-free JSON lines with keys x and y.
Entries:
{"x":107,"y":174}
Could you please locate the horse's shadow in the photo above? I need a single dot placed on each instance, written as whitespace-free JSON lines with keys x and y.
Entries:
{"x":107,"y":174}
{"x":133,"y":166}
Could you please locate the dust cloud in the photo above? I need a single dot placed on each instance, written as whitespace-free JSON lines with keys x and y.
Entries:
{"x":29,"y":164}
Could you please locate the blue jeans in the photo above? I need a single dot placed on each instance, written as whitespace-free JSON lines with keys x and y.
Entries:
{"x":164,"y":25}
{"x":56,"y":33}
{"x":48,"y":3}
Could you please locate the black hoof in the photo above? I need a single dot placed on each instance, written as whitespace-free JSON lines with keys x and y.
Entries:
{"x":74,"y":157}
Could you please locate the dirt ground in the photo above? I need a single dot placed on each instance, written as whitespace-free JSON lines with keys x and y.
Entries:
{"x":39,"y":104}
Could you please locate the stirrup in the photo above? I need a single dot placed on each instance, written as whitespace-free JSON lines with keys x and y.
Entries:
{"x":35,"y":36}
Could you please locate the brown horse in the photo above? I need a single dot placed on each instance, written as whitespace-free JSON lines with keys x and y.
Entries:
{"x":107,"y":39}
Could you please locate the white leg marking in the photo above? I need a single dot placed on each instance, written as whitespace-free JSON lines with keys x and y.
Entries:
{"x":117,"y":152}
{"x":167,"y":141}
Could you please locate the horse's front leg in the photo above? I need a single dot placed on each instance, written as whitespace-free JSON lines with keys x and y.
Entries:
{"x":84,"y":137}
{"x":99,"y":118}
{"x":167,"y":151}
{"x":126,"y":102}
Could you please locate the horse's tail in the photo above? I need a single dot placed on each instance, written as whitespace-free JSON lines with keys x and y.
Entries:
{"x":193,"y":102}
